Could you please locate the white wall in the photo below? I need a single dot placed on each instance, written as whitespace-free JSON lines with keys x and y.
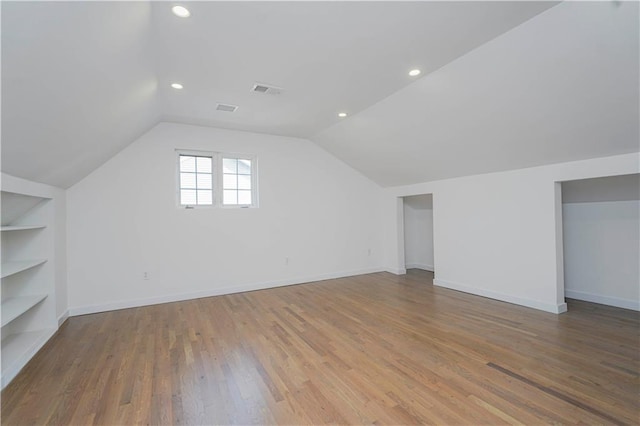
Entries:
{"x":602,"y":240}
{"x":499,"y":235}
{"x":123,"y":221}
{"x":418,"y":232}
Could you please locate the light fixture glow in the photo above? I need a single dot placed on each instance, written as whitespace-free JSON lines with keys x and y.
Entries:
{"x":342,"y":114}
{"x":176,"y":86}
{"x":414,"y":72}
{"x":181,"y":11}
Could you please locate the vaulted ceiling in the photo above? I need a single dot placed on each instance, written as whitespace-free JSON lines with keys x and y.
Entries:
{"x":563,"y":86}
{"x":498,"y":89}
{"x":78,"y":85}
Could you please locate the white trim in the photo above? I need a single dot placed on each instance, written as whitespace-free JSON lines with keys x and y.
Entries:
{"x":530,"y":303}
{"x":603,"y":300}
{"x":254,"y":180}
{"x":214,"y":170}
{"x":422,"y":266}
{"x":62,"y":318}
{"x":396,"y":271}
{"x":559,"y":246}
{"x":18,"y":185}
{"x":124,"y":304}
{"x":217,"y":179}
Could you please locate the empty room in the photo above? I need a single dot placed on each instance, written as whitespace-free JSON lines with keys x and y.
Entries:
{"x":340,"y":212}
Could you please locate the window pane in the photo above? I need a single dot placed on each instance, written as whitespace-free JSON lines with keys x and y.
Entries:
{"x":244,"y":167}
{"x":196,"y":180}
{"x":244,"y":181}
{"x":229,"y":165}
{"x":230,"y":197}
{"x":204,"y":181}
{"x":204,"y":164}
{"x":187,"y":163}
{"x":230,"y":181}
{"x":188,"y":180}
{"x":204,"y":197}
{"x":244,"y":197}
{"x":187,"y":196}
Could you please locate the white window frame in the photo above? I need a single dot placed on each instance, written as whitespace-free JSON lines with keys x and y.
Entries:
{"x":254,"y":180}
{"x":217,"y":179}
{"x":180,"y":152}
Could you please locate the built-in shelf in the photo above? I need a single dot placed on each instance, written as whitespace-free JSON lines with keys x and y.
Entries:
{"x":18,"y":348}
{"x":20,"y":343}
{"x":28,"y":308}
{"x":20,"y":227}
{"x":13,"y":267}
{"x":13,"y":307}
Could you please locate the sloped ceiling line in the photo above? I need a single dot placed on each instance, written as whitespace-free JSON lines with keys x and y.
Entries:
{"x":505,"y":84}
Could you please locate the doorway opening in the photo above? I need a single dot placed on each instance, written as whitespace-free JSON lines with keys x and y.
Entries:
{"x":418,"y":232}
{"x":601,"y":240}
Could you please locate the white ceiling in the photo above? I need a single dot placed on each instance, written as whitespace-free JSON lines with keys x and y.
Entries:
{"x":563,"y":86}
{"x":81,"y":80}
{"x":328,"y":56}
{"x":78,"y":85}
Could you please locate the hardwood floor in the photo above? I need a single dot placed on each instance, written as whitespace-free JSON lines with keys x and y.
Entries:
{"x":375,"y":348}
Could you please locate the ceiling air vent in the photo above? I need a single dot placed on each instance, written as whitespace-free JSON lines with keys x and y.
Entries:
{"x":266,"y":88}
{"x":226,"y":108}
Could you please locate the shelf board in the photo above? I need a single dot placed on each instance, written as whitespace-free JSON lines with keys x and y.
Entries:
{"x":10,"y":268}
{"x":15,"y":345}
{"x":13,"y":307}
{"x":21,"y":227}
{"x":17,"y":350}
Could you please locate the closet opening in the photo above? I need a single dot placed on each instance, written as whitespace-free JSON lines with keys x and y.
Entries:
{"x":601,"y":240}
{"x":418,"y":233}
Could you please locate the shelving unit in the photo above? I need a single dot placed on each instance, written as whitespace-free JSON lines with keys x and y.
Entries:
{"x":16,"y":266}
{"x":18,"y":347}
{"x":27,"y":308}
{"x":13,"y":307}
{"x":20,"y":228}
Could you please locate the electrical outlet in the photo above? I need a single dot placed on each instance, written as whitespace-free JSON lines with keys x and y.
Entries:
{"x":369,"y":252}
{"x":286,"y":261}
{"x":146,"y":276}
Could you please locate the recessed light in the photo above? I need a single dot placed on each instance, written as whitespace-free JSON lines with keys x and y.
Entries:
{"x":181,"y":11}
{"x":342,"y":114}
{"x":414,"y":72}
{"x":176,"y":86}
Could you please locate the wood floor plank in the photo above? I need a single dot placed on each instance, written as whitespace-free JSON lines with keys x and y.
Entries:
{"x":370,"y":349}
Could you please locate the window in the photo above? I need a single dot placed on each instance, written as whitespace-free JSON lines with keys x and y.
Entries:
{"x":196,"y":180}
{"x":236,"y":181}
{"x":214,"y":179}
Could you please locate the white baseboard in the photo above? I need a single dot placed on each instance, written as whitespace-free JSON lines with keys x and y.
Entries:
{"x":396,"y":271}
{"x":422,"y":266}
{"x":62,"y":318}
{"x":124,"y":304}
{"x":530,"y":303}
{"x":603,"y":300}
